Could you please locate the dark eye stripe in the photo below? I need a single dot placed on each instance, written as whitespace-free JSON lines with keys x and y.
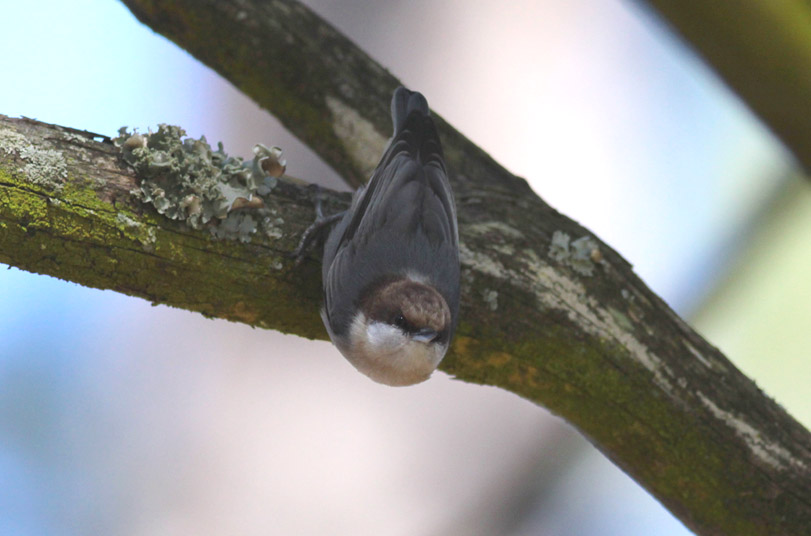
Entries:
{"x":401,"y":322}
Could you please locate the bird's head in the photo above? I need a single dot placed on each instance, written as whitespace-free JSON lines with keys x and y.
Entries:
{"x":400,"y":332}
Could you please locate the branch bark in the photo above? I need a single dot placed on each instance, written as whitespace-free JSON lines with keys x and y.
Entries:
{"x":549,"y":312}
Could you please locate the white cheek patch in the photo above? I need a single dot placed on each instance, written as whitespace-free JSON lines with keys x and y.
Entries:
{"x":375,"y":337}
{"x":385,"y":337}
{"x":385,"y":354}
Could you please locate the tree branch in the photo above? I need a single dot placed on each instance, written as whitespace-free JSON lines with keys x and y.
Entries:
{"x":548,"y":312}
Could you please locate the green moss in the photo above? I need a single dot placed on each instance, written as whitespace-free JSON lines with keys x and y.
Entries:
{"x":589,"y":383}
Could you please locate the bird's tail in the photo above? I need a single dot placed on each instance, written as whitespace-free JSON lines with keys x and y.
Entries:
{"x":403,"y":103}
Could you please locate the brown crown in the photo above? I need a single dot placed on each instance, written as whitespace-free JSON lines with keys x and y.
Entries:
{"x":421,"y":305}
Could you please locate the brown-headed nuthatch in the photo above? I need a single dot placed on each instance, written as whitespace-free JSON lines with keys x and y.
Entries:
{"x":391,"y":263}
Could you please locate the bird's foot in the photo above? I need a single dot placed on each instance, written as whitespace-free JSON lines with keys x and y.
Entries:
{"x":317,"y":229}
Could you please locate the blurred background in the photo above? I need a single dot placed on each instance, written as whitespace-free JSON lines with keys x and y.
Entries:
{"x":117,"y":417}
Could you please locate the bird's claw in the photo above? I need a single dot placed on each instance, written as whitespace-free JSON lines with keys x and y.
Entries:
{"x":317,"y":228}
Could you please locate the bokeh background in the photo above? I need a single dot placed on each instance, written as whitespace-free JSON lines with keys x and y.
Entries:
{"x":117,"y":417}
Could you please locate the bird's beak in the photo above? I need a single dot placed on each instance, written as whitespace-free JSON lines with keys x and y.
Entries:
{"x":424,"y":335}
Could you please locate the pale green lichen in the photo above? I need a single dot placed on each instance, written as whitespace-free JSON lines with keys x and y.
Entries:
{"x":185,"y":180}
{"x":273,"y":227}
{"x":559,"y":247}
{"x":621,"y":319}
{"x":12,"y":142}
{"x":145,"y":234}
{"x":75,"y":138}
{"x":490,"y":298}
{"x":580,"y":255}
{"x":45,"y":167}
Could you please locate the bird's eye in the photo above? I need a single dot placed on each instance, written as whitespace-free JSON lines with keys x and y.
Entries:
{"x":400,"y":321}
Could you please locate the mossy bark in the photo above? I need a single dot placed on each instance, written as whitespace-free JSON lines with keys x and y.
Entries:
{"x":568,"y":327}
{"x":78,"y":221}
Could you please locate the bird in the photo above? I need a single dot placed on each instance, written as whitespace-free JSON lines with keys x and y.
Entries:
{"x":391,"y":261}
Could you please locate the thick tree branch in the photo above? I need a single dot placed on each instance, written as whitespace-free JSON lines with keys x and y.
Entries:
{"x":549,"y":312}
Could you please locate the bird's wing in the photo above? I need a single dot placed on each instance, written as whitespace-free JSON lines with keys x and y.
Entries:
{"x":404,"y":224}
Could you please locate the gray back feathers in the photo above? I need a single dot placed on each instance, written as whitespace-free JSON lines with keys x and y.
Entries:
{"x":403,"y":222}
